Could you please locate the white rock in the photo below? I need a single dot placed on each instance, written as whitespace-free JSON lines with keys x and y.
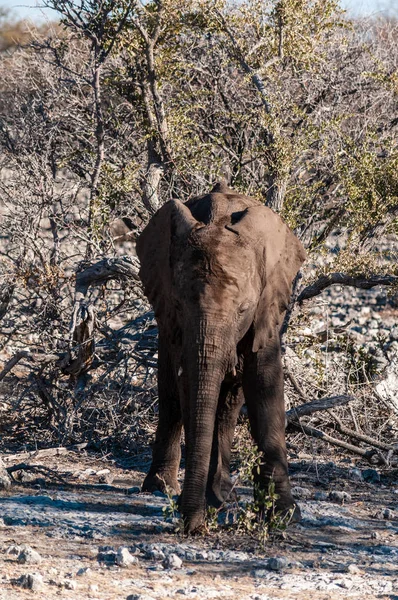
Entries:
{"x":31,"y":581}
{"x":29,"y":556}
{"x":172,"y":562}
{"x":124,"y":558}
{"x":388,"y":387}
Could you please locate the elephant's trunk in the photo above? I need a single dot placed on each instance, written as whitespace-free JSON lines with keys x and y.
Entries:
{"x":206,"y":362}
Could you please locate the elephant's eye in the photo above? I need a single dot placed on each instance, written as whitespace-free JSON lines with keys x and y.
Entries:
{"x":243,"y":307}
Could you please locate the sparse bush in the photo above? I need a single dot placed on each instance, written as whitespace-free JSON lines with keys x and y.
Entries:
{"x":120,"y":108}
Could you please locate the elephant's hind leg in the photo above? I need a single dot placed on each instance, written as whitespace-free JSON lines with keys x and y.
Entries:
{"x":166,"y":451}
{"x":219,"y":484}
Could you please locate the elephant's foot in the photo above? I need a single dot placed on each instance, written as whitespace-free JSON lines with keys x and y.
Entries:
{"x":284,"y":509}
{"x":220,"y":491}
{"x":194,"y":524}
{"x":288,"y":514}
{"x":161,"y":482}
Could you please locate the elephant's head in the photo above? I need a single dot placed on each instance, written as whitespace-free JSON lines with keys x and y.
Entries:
{"x":232,"y":274}
{"x":223,"y":275}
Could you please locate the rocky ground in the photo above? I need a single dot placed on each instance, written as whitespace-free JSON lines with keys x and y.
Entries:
{"x":79,"y":529}
{"x":83,"y":531}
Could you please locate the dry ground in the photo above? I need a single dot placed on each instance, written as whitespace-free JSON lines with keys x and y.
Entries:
{"x":339,"y":551}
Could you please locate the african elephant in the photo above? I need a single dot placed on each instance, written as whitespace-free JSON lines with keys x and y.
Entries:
{"x":218,"y":272}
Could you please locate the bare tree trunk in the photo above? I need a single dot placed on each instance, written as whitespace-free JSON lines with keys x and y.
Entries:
{"x":100,"y":152}
{"x":276,"y":193}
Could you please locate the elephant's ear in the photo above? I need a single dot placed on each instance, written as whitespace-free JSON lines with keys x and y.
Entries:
{"x":172,"y":222}
{"x":280,"y":255}
{"x":182,"y":220}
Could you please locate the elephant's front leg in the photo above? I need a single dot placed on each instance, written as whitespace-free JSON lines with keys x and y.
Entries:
{"x":166,"y":451}
{"x":219,"y":484}
{"x":263,"y":390}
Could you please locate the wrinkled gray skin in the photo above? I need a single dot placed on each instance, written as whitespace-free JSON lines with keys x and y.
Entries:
{"x":218,"y":272}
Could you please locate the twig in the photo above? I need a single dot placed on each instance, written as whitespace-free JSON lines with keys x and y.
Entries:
{"x":317,"y":433}
{"x":13,"y":361}
{"x":39,"y":468}
{"x":359,"y":436}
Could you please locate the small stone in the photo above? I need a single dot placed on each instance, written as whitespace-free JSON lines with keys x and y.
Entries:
{"x":31,"y":581}
{"x":124,"y":558}
{"x":139,"y":597}
{"x":260,"y":573}
{"x":339,"y":497}
{"x":371,"y":476}
{"x":277,"y":563}
{"x":69,"y":584}
{"x":388,"y":514}
{"x":320,"y":496}
{"x":156,"y":567}
{"x":172,"y":562}
{"x":375,"y":535}
{"x":103,"y":472}
{"x":133,"y":490}
{"x":5,"y":479}
{"x":356,"y":474}
{"x":301,"y":493}
{"x":29,"y":556}
{"x":154,"y":554}
{"x":83,"y":571}
{"x":106,"y":478}
{"x":353,"y":569}
{"x":93,"y":587}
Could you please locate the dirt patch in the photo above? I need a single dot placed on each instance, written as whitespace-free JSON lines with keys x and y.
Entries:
{"x":77,"y":521}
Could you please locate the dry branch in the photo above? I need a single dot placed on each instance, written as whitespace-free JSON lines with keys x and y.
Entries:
{"x":317,"y":433}
{"x":83,"y":322}
{"x":12,"y":362}
{"x":361,"y":437}
{"x":60,"y":450}
{"x":121,"y":268}
{"x":360,"y":281}
{"x":309,"y":408}
{"x":38,"y":468}
{"x":40,"y":359}
{"x":6,"y":293}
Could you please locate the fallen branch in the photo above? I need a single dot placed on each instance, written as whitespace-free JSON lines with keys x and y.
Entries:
{"x":123,"y":267}
{"x":38,"y":468}
{"x":360,"y":281}
{"x":317,"y":433}
{"x":13,"y":361}
{"x":309,"y":408}
{"x":369,"y":454}
{"x":361,"y":437}
{"x":60,"y":450}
